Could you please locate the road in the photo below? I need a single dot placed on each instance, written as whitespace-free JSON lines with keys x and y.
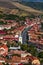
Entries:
{"x":25,"y":39}
{"x":24,"y":35}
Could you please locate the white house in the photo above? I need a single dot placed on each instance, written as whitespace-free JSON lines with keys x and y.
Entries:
{"x":14,"y":48}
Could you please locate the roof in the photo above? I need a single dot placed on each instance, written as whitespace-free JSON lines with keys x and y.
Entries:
{"x":16,"y":59}
{"x":2,"y":32}
{"x":3,"y":50}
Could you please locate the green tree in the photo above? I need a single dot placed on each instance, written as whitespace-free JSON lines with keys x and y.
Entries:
{"x":40,"y":55}
{"x":5,"y":63}
{"x":31,"y":49}
{"x":11,"y":17}
{"x":1,"y":16}
{"x":24,"y":46}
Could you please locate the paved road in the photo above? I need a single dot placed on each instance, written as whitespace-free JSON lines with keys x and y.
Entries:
{"x":24,"y":35}
{"x":24,"y":39}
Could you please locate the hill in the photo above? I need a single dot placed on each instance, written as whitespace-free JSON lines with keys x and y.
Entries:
{"x":7,"y":4}
{"x":19,"y":8}
{"x":26,"y":8}
{"x":35,"y":5}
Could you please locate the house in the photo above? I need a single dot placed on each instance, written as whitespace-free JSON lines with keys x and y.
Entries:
{"x":29,"y":58}
{"x":16,"y":59}
{"x":2,"y":32}
{"x":1,"y":27}
{"x":14,"y":48}
{"x":3,"y":50}
{"x":2,"y":60}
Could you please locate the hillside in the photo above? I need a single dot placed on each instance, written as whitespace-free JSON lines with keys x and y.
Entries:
{"x":35,"y":5}
{"x":26,"y":8}
{"x":19,"y":8}
{"x":7,"y":5}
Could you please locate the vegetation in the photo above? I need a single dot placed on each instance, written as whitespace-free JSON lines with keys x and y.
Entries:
{"x":31,"y":49}
{"x":40,"y":55}
{"x":24,"y":47}
{"x":1,"y":16}
{"x":1,"y":22}
{"x":34,"y":5}
{"x":14,"y":17}
{"x":5,"y":63}
{"x":25,"y":8}
{"x":11,"y":17}
{"x":31,"y":16}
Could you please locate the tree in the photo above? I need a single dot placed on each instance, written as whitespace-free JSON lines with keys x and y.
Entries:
{"x":31,"y":49}
{"x":11,"y":17}
{"x":1,"y":16}
{"x":31,"y":16}
{"x":5,"y":63}
{"x":40,"y":55}
{"x":24,"y":46}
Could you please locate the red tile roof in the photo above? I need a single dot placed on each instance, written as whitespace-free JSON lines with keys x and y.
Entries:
{"x":20,"y":64}
{"x":2,"y":32}
{"x":16,"y":59}
{"x":4,"y":51}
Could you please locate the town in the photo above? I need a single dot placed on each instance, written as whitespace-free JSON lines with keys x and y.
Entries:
{"x":21,"y":40}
